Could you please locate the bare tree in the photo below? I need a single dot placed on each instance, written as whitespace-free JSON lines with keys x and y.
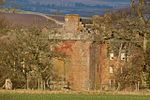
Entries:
{"x":143,"y":7}
{"x":126,"y":30}
{"x":28,"y":52}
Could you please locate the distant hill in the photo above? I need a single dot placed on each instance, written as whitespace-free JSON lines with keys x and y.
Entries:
{"x":87,"y":2}
{"x":28,"y":20}
{"x":82,"y":7}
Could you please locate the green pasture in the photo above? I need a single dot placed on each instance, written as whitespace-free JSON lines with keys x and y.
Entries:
{"x":19,"y":96}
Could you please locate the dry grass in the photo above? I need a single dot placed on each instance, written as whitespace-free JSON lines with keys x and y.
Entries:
{"x":22,"y":91}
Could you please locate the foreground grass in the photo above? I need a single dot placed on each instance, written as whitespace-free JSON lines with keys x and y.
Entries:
{"x":27,"y":96}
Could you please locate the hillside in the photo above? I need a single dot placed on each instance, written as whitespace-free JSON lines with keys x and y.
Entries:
{"x":28,"y":20}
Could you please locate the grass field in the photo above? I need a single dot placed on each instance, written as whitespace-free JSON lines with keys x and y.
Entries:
{"x":26,"y":96}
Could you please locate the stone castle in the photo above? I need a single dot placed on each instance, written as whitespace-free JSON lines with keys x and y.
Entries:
{"x":89,"y":65}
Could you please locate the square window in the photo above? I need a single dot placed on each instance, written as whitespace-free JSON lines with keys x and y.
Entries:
{"x":123,"y":56}
{"x":111,"y":70}
{"x":111,"y":56}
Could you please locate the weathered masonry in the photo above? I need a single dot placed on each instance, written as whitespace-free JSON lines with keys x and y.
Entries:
{"x":90,"y":65}
{"x":84,"y":68}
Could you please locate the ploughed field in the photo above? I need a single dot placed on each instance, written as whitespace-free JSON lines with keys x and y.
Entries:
{"x":27,"y":96}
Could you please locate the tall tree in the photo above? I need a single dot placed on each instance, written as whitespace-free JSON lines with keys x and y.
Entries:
{"x":28,"y":51}
{"x":143,"y":8}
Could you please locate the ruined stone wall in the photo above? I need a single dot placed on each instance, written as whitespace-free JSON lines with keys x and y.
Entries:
{"x":87,"y":64}
{"x":99,"y":66}
{"x":77,"y":63}
{"x":78,"y":69}
{"x":107,"y":77}
{"x":94,"y":65}
{"x":103,"y":65}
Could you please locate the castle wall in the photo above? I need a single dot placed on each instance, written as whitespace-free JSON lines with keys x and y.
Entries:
{"x":99,"y":66}
{"x":77,"y":63}
{"x":87,"y":66}
{"x":78,"y":69}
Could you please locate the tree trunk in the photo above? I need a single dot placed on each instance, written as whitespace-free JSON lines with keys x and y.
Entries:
{"x":43,"y":85}
{"x":38,"y":84}
{"x":27,"y":79}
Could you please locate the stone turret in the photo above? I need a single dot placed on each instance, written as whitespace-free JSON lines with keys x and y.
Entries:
{"x":72,"y":23}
